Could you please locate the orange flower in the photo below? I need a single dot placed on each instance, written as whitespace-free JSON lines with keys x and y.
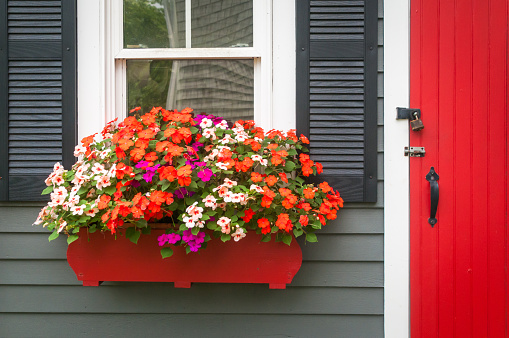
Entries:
{"x":283,"y":222}
{"x":304,"y":139}
{"x":271,"y":180}
{"x":253,"y":143}
{"x":276,"y":160}
{"x":303,"y":220}
{"x":284,"y":192}
{"x":147,"y":134}
{"x":87,"y":140}
{"x":256,"y":177}
{"x":167,"y":173}
{"x":142,"y":143}
{"x":307,"y":170}
{"x":158,"y":197}
{"x":103,"y":202}
{"x":264,"y":224}
{"x":125,"y":144}
{"x":283,"y":177}
{"x":309,"y":193}
{"x":148,"y":119}
{"x":137,"y":154}
{"x":319,"y":168}
{"x":152,"y":156}
{"x":161,"y":146}
{"x":248,"y":215}
{"x":272,"y":146}
{"x":325,"y":187}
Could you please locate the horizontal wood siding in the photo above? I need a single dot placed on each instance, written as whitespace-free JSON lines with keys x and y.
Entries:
{"x":337,"y":293}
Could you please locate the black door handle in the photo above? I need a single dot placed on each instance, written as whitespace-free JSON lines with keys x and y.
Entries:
{"x":432,"y":178}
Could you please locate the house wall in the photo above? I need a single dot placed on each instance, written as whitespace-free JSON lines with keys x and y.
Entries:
{"x":337,"y":293}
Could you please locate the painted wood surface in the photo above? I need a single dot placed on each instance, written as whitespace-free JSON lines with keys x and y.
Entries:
{"x":459,"y":79}
{"x":246,"y":261}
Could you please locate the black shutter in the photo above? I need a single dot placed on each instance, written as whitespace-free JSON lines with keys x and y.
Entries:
{"x":37,"y":94}
{"x":337,"y":91}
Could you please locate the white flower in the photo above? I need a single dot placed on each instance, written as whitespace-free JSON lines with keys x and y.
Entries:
{"x":79,"y":179}
{"x":104,"y":153}
{"x":75,"y":190}
{"x":206,"y":123}
{"x":263,"y":162}
{"x":79,"y":151}
{"x":241,"y":137}
{"x":77,"y":209}
{"x":200,"y":224}
{"x":58,"y":168}
{"x":73,"y":200}
{"x":210,"y":133}
{"x":62,"y":225}
{"x":189,"y":222}
{"x":256,"y":188}
{"x":222,"y":166}
{"x":92,"y":211}
{"x":98,"y":169}
{"x":113,"y":171}
{"x":227,"y":139}
{"x":210,"y":202}
{"x":103,"y":182}
{"x":224,"y":223}
{"x":229,"y":183}
{"x":194,"y":211}
{"x":222,"y":125}
{"x":228,"y":197}
{"x":239,"y":234}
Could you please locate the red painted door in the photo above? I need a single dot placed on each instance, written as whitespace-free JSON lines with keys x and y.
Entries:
{"x":459,"y":80}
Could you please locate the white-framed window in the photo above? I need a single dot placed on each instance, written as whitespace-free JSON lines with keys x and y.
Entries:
{"x":111,"y":65}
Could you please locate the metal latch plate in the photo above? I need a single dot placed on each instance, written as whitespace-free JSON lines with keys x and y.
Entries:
{"x":415,"y":151}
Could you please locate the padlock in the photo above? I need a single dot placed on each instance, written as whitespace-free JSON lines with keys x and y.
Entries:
{"x":416,"y":123}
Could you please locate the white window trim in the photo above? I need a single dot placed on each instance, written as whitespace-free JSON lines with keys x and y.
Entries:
{"x":101,"y":63}
{"x":396,"y":172}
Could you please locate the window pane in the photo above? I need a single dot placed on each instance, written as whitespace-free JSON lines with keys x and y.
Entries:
{"x":154,"y":24}
{"x":218,"y":23}
{"x":219,"y":87}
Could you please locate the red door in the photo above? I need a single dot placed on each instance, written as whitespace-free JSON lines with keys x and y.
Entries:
{"x":459,"y":80}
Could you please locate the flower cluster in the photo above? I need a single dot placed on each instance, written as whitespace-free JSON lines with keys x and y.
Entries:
{"x":197,"y":174}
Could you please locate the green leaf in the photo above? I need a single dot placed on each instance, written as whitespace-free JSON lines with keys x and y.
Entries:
{"x":53,"y":236}
{"x":47,"y":190}
{"x":166,"y":252}
{"x":289,"y":166}
{"x":141,"y":223}
{"x":72,"y":238}
{"x":188,"y":250}
{"x":240,"y":149}
{"x":212,"y":225}
{"x":287,"y":239}
{"x":109,"y":190}
{"x":266,"y":238}
{"x":292,"y":152}
{"x":165,"y":185}
{"x":193,"y":130}
{"x":297,"y":232}
{"x":145,"y":231}
{"x":225,"y":237}
{"x":195,"y":231}
{"x":132,"y":234}
{"x":92,"y":229}
{"x":311,"y":237}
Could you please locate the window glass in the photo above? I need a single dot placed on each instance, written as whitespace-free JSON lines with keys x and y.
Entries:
{"x":162,"y":23}
{"x":154,"y":24}
{"x":219,"y":87}
{"x":222,"y":23}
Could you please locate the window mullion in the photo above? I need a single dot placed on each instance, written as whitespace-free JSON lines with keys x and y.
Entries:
{"x":188,"y":23}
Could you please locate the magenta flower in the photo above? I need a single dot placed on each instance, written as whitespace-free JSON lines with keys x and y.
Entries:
{"x":205,"y":174}
{"x":168,"y":238}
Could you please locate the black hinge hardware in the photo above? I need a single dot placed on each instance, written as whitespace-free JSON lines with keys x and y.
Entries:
{"x":415,"y":151}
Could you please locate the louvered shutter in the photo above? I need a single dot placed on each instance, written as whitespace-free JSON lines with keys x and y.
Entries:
{"x":337,"y":91}
{"x":37,"y":94}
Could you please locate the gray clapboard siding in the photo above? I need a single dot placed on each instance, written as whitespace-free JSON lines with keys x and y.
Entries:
{"x":331,"y":247}
{"x":175,"y":325}
{"x":326,"y":274}
{"x":201,"y":298}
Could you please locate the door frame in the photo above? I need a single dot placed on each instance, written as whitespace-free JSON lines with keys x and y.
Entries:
{"x":396,"y":169}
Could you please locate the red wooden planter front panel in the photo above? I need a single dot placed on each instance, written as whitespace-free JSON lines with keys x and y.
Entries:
{"x":100,"y":257}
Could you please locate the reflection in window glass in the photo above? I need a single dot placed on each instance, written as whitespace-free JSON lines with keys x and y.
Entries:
{"x":217,"y":23}
{"x":154,"y":24}
{"x":219,"y":87}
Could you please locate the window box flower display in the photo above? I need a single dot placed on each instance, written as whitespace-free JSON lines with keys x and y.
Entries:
{"x":231,"y":192}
